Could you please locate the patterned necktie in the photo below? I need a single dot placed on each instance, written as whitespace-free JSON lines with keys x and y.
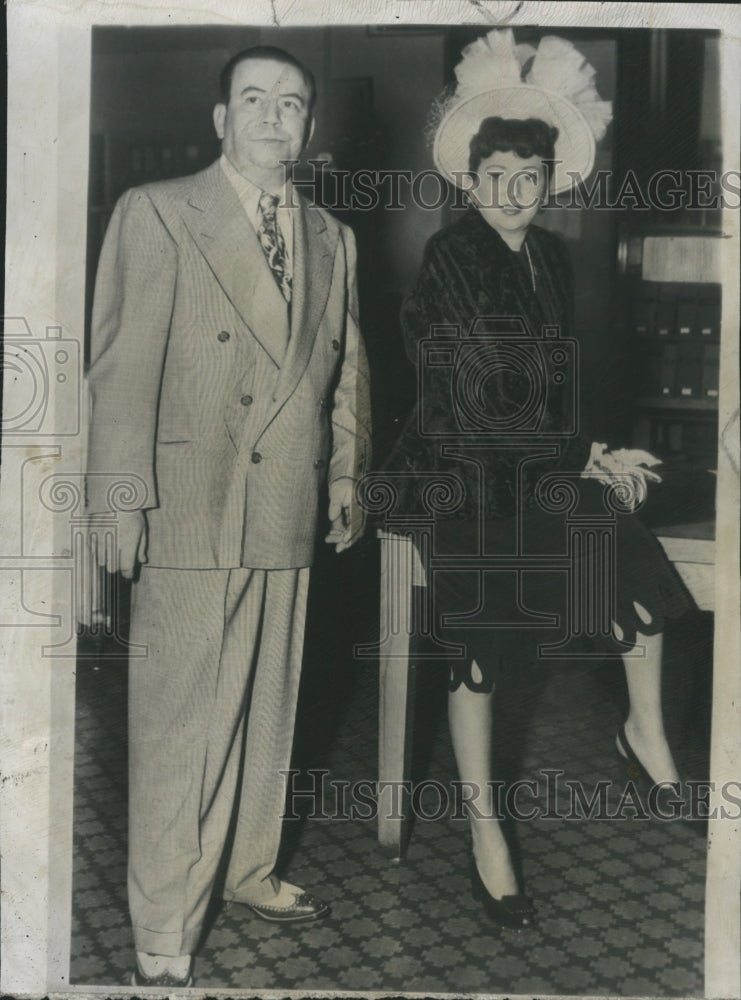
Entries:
{"x":272,"y":242}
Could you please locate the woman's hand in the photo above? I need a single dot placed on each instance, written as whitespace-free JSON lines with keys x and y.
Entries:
{"x":627,"y":468}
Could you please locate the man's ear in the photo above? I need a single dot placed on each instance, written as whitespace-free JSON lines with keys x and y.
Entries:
{"x":219,"y":116}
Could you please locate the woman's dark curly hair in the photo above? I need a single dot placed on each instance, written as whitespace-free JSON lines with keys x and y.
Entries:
{"x":524,"y":137}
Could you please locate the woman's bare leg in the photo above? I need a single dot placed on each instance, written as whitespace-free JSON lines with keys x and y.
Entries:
{"x":469,"y":713}
{"x":644,"y":726}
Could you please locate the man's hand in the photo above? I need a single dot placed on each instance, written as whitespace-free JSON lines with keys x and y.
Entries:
{"x":112,"y":546}
{"x":629,"y":468}
{"x":130,"y":544}
{"x":347,"y":519}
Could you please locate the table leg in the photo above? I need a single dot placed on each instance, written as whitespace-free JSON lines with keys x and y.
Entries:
{"x":396,"y":701}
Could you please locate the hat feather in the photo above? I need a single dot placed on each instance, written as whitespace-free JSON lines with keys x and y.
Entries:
{"x":488,"y":62}
{"x":563,"y":70}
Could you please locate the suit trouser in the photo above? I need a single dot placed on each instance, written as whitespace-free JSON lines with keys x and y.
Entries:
{"x":221,"y":675}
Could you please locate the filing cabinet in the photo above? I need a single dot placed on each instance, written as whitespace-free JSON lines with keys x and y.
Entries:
{"x":676,"y":331}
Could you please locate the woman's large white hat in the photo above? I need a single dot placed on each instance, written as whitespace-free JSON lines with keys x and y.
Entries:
{"x":497,"y":78}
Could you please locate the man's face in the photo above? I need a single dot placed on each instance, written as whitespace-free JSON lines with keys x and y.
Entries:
{"x":266,"y":119}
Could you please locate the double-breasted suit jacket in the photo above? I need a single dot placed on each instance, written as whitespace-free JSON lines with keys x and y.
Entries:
{"x":225,"y":410}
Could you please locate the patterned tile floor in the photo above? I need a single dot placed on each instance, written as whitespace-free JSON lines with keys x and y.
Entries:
{"x":620,"y":903}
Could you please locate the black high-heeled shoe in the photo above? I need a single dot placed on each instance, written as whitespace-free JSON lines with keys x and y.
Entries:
{"x":661,"y":798}
{"x":510,"y":911}
{"x":636,"y":769}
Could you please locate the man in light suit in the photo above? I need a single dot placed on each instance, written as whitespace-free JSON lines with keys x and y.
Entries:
{"x":229,"y":386}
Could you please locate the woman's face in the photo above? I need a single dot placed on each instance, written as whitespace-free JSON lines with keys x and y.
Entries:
{"x":510,"y":190}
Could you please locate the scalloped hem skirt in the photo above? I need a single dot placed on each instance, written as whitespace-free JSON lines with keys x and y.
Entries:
{"x":520,"y":593}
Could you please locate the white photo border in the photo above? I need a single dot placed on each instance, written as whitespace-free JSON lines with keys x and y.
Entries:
{"x":48,"y":143}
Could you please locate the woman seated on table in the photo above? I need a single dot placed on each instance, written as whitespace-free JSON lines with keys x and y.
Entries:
{"x":509,"y":143}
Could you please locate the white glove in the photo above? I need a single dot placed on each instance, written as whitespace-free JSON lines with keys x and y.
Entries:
{"x":627,"y":469}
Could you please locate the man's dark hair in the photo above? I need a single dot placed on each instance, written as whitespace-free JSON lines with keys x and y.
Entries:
{"x":265,"y":52}
{"x":525,"y":137}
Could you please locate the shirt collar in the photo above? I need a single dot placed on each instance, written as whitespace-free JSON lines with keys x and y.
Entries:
{"x":249,"y":193}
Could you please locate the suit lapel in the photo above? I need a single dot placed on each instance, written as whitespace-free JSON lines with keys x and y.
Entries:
{"x":314,"y":246}
{"x":221,"y":230}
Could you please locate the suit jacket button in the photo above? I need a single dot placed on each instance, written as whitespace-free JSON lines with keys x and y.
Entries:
{"x":256,"y":457}
{"x":323,"y":403}
{"x":336,"y":345}
{"x":318,"y":463}
{"x":246,"y":400}
{"x":223,"y":336}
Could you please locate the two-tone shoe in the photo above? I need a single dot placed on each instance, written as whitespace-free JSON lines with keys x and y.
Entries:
{"x":304,"y":908}
{"x":163,"y":979}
